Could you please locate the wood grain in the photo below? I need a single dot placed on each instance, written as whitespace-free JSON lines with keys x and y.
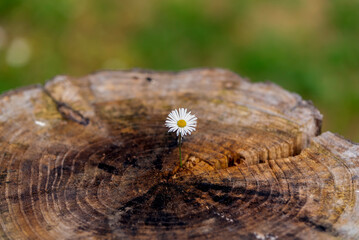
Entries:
{"x":90,"y":158}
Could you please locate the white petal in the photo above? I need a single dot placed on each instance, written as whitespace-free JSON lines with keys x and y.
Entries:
{"x":181,"y":113}
{"x":187,"y":117}
{"x":184,"y":112}
{"x":169,"y":120}
{"x":172,"y":116}
{"x":183,"y":132}
{"x":175,"y":113}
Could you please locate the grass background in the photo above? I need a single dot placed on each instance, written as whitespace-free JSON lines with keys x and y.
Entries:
{"x":309,"y":47}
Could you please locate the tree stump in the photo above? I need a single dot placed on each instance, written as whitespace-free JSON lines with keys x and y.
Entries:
{"x":90,"y":158}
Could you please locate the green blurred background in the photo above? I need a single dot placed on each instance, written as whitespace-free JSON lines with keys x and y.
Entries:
{"x":309,"y":47}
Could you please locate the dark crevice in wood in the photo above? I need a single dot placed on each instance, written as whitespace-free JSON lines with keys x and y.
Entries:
{"x":320,"y":227}
{"x":67,"y":112}
{"x":108,"y":168}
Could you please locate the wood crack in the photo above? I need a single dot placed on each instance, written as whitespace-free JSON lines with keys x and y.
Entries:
{"x":68,"y":112}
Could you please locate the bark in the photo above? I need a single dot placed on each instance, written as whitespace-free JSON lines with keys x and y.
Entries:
{"x":90,"y":158}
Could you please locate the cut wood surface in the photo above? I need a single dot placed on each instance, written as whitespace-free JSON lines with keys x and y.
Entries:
{"x":90,"y":158}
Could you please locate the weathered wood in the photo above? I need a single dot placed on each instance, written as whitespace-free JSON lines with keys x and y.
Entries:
{"x":90,"y":158}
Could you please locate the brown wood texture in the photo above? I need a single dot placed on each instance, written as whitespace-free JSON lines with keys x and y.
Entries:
{"x":90,"y":158}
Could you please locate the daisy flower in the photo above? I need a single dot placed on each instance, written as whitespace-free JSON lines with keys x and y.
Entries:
{"x":181,"y":122}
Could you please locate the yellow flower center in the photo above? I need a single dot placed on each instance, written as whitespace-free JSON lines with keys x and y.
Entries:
{"x":181,"y":123}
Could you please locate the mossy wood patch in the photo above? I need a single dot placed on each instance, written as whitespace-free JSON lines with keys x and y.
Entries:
{"x":90,"y":158}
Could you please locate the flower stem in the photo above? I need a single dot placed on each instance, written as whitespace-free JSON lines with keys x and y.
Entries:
{"x":179,"y":148}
